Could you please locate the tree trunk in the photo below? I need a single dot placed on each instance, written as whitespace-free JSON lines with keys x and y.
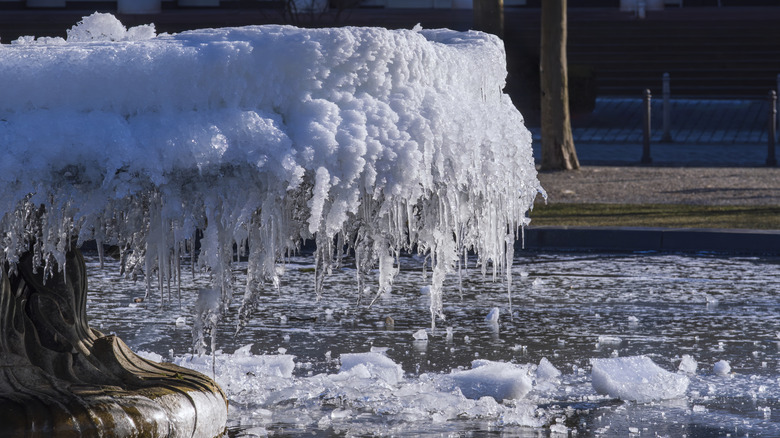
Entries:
{"x":558,"y":151}
{"x":489,"y":16}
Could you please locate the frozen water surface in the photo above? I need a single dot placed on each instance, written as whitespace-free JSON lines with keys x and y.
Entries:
{"x":333,"y":366}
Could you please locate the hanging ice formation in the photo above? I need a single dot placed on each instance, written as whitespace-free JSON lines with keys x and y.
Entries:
{"x":261,"y":137}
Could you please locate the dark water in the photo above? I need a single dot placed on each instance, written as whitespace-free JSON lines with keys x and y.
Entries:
{"x":567,"y":308}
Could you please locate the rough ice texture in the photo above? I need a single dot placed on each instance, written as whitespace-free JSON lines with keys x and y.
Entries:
{"x":636,"y":378}
{"x":500,"y":380}
{"x":688,"y":364}
{"x":721,"y":368}
{"x":546,"y":370}
{"x":371,"y":366}
{"x":261,"y":136}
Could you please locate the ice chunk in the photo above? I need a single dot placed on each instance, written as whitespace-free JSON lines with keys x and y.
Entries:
{"x":493,"y":315}
{"x":106,"y":27}
{"x":559,"y":429}
{"x":721,"y":368}
{"x":610,"y":340}
{"x":420,"y":335}
{"x":207,"y":316}
{"x":242,"y":374}
{"x":636,"y":378}
{"x":546,"y":370}
{"x":502,"y":381}
{"x":372,"y":365}
{"x":688,"y":364}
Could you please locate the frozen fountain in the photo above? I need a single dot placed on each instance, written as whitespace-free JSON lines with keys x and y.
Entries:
{"x":248,"y":142}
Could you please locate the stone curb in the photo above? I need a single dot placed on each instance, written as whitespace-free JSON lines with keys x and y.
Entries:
{"x":764,"y":242}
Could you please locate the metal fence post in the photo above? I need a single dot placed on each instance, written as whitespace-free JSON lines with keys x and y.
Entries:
{"x":646,"y":129}
{"x":667,"y":135}
{"x":771,"y":160}
{"x":778,"y":91}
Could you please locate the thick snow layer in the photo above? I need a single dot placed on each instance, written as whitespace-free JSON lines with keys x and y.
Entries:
{"x":636,"y":378}
{"x":263,"y":136}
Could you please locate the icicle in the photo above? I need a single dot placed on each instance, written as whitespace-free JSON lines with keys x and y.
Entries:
{"x":322,"y":261}
{"x":460,"y":278}
{"x":147,"y":273}
{"x":387,"y":271}
{"x":177,"y":257}
{"x":510,"y":256}
{"x":101,"y":256}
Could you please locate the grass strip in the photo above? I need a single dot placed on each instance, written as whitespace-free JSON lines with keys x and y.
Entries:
{"x":656,"y":215}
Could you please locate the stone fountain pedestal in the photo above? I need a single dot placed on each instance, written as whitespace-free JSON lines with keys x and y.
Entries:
{"x":59,"y":377}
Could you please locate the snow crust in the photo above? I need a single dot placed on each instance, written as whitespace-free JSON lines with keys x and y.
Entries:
{"x":636,"y":378}
{"x":262,"y":137}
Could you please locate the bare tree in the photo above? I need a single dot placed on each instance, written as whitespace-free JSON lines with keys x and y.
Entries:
{"x":558,"y":151}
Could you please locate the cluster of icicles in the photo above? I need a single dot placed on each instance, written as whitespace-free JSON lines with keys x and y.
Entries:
{"x":221,"y":221}
{"x":245,"y":142}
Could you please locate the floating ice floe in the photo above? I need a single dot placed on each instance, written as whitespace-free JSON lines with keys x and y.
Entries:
{"x":722,"y":368}
{"x":546,"y":370}
{"x":371,"y":366}
{"x":636,"y":378}
{"x":500,"y":380}
{"x":610,"y":340}
{"x":688,"y":364}
{"x":420,"y":335}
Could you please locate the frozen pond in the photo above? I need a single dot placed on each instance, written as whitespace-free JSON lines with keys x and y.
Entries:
{"x":290,"y":377}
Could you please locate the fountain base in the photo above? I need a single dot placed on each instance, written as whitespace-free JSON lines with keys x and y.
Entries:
{"x":61,"y":377}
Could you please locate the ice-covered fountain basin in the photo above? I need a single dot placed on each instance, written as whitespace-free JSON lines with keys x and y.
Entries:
{"x":399,"y":137}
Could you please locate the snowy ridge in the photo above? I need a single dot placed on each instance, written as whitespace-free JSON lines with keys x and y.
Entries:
{"x":381,"y":140}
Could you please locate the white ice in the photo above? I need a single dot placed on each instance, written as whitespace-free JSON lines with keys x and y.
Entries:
{"x":371,"y":366}
{"x":546,"y":370}
{"x":493,"y":315}
{"x":262,"y":136}
{"x":500,"y":380}
{"x":688,"y":364}
{"x":260,"y":385}
{"x":636,"y":378}
{"x":722,"y":368}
